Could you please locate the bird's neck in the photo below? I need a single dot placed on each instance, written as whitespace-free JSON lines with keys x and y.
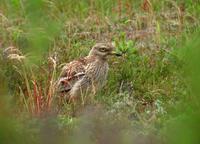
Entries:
{"x":98,"y":58}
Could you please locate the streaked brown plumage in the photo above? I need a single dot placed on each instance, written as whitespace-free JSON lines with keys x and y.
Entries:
{"x":87,"y":74}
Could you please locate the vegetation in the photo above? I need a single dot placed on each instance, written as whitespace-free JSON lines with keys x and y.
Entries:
{"x":152,"y":92}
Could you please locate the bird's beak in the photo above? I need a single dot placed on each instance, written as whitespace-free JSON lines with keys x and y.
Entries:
{"x":115,"y":53}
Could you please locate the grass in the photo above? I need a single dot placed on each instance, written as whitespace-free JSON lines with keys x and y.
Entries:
{"x":151,"y":87}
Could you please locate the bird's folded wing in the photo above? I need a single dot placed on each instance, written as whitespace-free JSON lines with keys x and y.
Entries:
{"x":70,"y":74}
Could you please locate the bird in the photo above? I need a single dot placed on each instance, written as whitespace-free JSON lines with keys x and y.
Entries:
{"x":86,"y":75}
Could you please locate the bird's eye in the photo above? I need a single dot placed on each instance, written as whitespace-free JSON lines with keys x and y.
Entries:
{"x":102,"y":49}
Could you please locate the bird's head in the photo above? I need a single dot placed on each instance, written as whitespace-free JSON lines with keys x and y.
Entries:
{"x":103,"y":50}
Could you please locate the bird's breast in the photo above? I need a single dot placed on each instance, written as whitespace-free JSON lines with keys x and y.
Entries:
{"x":98,"y":72}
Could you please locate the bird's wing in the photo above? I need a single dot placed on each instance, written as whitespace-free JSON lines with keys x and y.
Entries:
{"x":71,"y":73}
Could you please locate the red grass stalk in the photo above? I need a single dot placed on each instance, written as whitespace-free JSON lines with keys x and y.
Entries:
{"x":147,"y":6}
{"x":120,"y":8}
{"x":36,"y":98}
{"x":40,"y":97}
{"x":50,"y":92}
{"x":128,"y":9}
{"x":50,"y":85}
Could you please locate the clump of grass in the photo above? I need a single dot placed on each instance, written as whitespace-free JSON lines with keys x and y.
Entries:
{"x":36,"y":95}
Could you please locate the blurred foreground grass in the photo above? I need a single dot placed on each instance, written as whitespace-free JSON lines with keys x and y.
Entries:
{"x":152,"y":94}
